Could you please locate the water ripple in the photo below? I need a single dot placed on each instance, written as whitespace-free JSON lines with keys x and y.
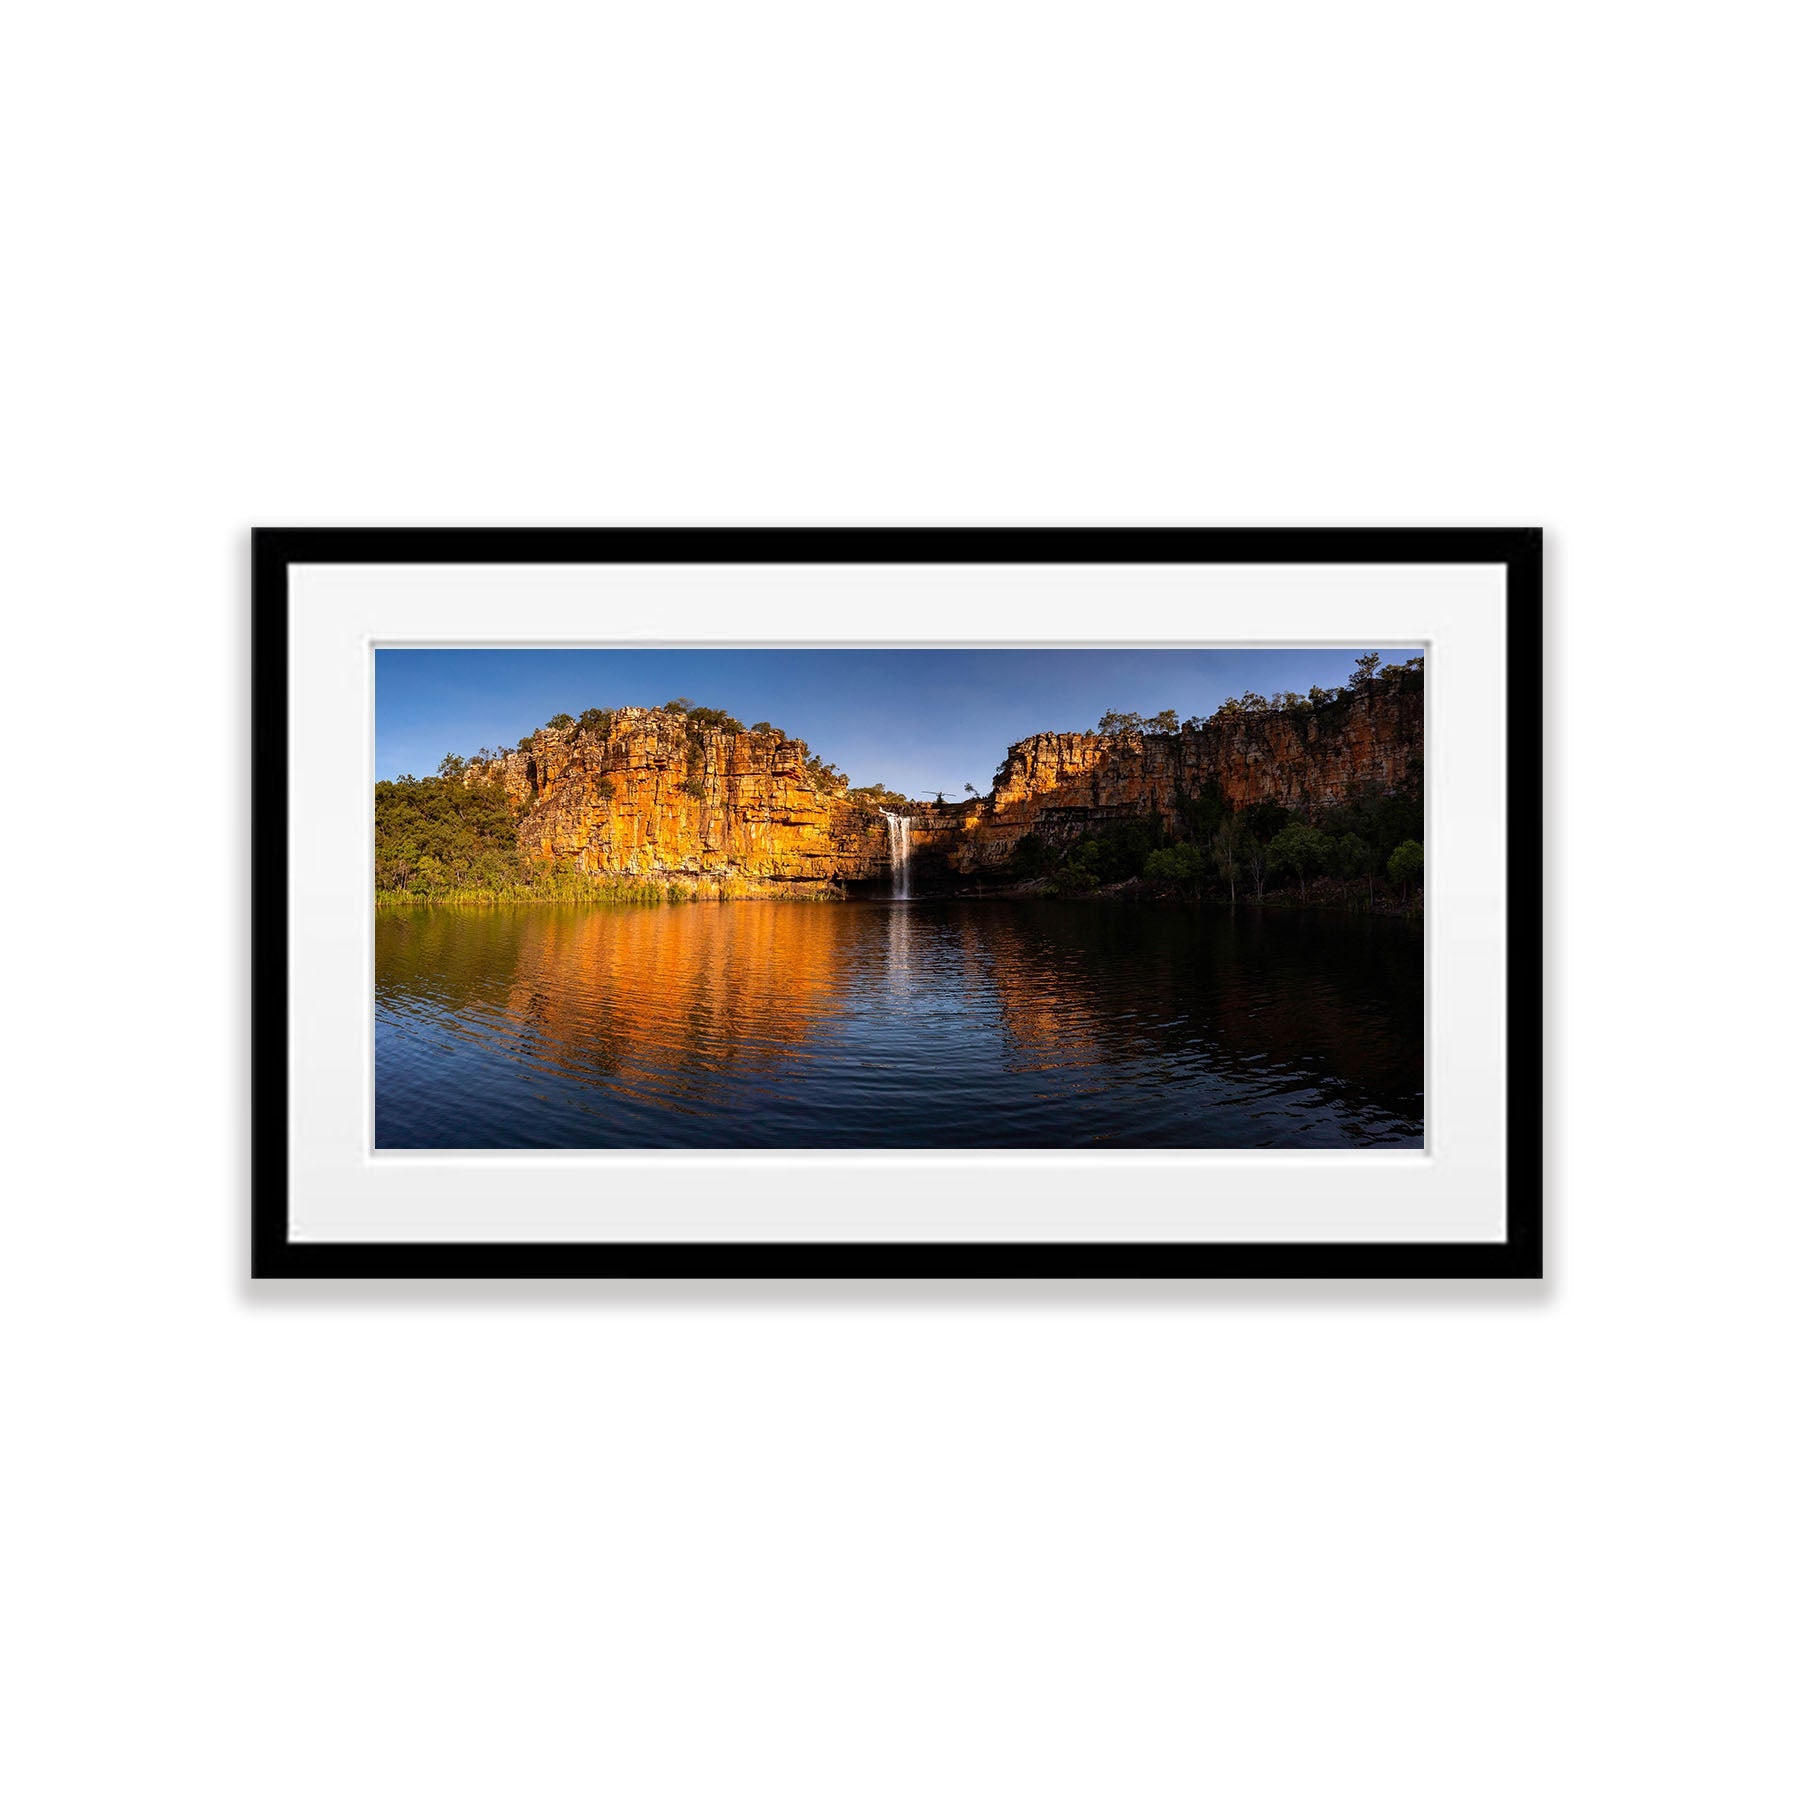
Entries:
{"x":929,"y":1024}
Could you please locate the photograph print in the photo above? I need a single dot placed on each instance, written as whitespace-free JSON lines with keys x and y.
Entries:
{"x":900,"y":898}
{"x":898,"y":903}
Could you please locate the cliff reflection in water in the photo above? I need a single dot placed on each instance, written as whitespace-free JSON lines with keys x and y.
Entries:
{"x":868,"y":1024}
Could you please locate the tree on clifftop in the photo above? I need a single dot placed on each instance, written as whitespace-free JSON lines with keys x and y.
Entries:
{"x":712,"y":718}
{"x":1119,"y":724}
{"x":1130,"y":724}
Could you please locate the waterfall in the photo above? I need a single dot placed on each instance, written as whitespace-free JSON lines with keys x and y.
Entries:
{"x":899,"y":851}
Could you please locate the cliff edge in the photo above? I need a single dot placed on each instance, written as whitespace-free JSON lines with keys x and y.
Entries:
{"x":653,"y":793}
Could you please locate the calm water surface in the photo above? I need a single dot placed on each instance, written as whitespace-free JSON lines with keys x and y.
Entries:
{"x":894,"y":1024}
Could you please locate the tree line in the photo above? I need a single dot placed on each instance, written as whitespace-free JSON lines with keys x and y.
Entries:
{"x":441,"y":836}
{"x":1371,"y":842}
{"x":597,"y":722}
{"x":1368,"y":676}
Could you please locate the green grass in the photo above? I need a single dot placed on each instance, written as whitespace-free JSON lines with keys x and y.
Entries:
{"x":564,"y":887}
{"x":590,"y":892}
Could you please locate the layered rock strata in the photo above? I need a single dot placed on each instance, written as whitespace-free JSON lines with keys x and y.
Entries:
{"x":659,"y":798}
{"x":1060,"y":785}
{"x":656,"y":797}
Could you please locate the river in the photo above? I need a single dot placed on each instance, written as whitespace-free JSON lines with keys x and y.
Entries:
{"x":865,"y":1024}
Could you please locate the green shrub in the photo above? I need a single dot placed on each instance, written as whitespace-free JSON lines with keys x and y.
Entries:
{"x":1179,"y":865}
{"x":711,"y":718}
{"x":1300,"y":850}
{"x":1116,"y":853}
{"x":1407,"y":866}
{"x":876,"y":794}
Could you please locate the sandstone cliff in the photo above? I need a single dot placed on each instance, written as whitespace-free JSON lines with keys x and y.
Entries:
{"x":656,"y":796}
{"x":1061,"y":784}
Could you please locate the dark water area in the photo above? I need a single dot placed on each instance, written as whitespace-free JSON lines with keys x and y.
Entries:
{"x":888,"y":1024}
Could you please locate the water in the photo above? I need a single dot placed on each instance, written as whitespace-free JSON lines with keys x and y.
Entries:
{"x":900,"y":852}
{"x":948,"y":1024}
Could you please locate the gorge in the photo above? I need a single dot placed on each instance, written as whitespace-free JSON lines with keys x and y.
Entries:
{"x":689,"y":802}
{"x":955,"y":998}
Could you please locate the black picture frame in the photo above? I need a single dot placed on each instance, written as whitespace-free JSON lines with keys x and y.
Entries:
{"x":1519,"y":1255}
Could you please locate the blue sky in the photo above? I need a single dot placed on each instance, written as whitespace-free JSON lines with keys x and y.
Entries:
{"x":919,"y":720}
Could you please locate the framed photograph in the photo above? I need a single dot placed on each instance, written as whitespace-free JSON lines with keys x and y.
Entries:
{"x":925,"y":903}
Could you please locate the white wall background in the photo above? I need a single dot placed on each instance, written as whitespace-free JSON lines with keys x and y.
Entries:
{"x":1398,"y":264}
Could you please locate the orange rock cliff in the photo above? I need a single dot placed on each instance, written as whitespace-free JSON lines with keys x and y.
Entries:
{"x":656,"y":797}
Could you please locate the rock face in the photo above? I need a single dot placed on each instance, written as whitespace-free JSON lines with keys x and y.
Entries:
{"x":1062,"y":784}
{"x":659,"y":798}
